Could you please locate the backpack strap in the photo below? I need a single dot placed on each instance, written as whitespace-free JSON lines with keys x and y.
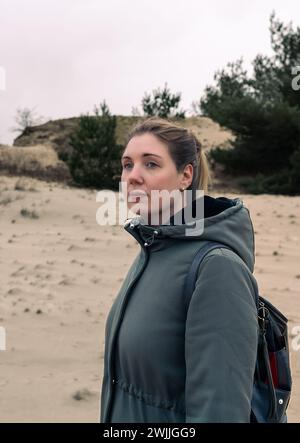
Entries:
{"x":192,"y":274}
{"x":189,"y":286}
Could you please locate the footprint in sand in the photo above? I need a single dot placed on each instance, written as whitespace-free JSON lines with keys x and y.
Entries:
{"x":65,"y":282}
{"x":15,"y":273}
{"x":74,"y":248}
{"x":13,"y":291}
{"x":83,"y":394}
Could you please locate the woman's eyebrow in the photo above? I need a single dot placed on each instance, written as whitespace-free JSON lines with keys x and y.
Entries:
{"x":147,"y":154}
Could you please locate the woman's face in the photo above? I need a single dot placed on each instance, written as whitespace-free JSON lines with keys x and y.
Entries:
{"x":147,"y":166}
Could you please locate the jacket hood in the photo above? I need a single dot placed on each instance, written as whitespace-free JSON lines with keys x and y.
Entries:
{"x":222,"y":220}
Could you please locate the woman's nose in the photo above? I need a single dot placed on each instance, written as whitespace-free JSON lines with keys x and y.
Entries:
{"x":135,"y":175}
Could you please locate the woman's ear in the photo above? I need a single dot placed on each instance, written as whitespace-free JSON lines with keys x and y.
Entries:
{"x":187,"y":176}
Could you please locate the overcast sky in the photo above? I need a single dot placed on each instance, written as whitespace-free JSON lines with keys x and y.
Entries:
{"x":62,"y":57}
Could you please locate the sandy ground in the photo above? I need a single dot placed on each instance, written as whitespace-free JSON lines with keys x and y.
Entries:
{"x":60,"y":272}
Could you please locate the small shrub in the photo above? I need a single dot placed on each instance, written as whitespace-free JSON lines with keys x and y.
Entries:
{"x":29,"y":214}
{"x":95,"y":160}
{"x":5,"y":201}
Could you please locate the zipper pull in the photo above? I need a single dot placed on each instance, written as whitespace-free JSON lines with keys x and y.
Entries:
{"x":263,"y":313}
{"x":150,"y":241}
{"x":132,"y":222}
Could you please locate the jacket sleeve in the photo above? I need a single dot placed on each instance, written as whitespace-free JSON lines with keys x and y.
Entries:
{"x":221,"y":342}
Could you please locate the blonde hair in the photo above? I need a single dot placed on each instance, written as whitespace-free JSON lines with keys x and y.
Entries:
{"x":184,"y":148}
{"x":205,"y":176}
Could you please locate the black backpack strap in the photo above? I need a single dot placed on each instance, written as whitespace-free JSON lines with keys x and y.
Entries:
{"x":192,"y":274}
{"x":263,"y":357}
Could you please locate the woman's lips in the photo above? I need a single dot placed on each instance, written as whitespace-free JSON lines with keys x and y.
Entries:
{"x":138,"y":191}
{"x":136,"y":194}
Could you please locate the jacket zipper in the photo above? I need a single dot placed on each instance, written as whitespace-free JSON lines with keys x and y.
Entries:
{"x":146,"y":256}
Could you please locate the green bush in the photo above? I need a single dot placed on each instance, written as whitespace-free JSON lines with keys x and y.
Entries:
{"x":162,"y":104}
{"x":286,"y":182}
{"x":95,"y":159}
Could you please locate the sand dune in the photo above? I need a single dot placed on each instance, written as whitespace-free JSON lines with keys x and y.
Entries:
{"x":60,"y":273}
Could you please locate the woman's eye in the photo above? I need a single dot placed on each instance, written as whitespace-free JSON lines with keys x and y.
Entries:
{"x":125,"y":165}
{"x":152,"y":163}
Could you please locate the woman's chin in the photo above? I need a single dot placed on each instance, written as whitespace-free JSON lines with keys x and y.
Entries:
{"x":139,"y":210}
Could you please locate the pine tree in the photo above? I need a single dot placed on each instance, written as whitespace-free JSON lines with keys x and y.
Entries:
{"x":95,"y":160}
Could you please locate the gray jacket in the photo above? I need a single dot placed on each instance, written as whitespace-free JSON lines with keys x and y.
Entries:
{"x":163,"y":364}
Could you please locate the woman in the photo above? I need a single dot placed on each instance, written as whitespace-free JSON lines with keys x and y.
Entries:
{"x":164,"y":363}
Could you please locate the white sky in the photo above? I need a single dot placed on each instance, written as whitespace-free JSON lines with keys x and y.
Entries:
{"x":64,"y":56}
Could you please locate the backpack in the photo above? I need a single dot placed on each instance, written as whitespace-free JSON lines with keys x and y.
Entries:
{"x":272,"y":381}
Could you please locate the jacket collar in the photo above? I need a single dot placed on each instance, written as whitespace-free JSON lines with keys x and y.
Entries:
{"x":157,"y":235}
